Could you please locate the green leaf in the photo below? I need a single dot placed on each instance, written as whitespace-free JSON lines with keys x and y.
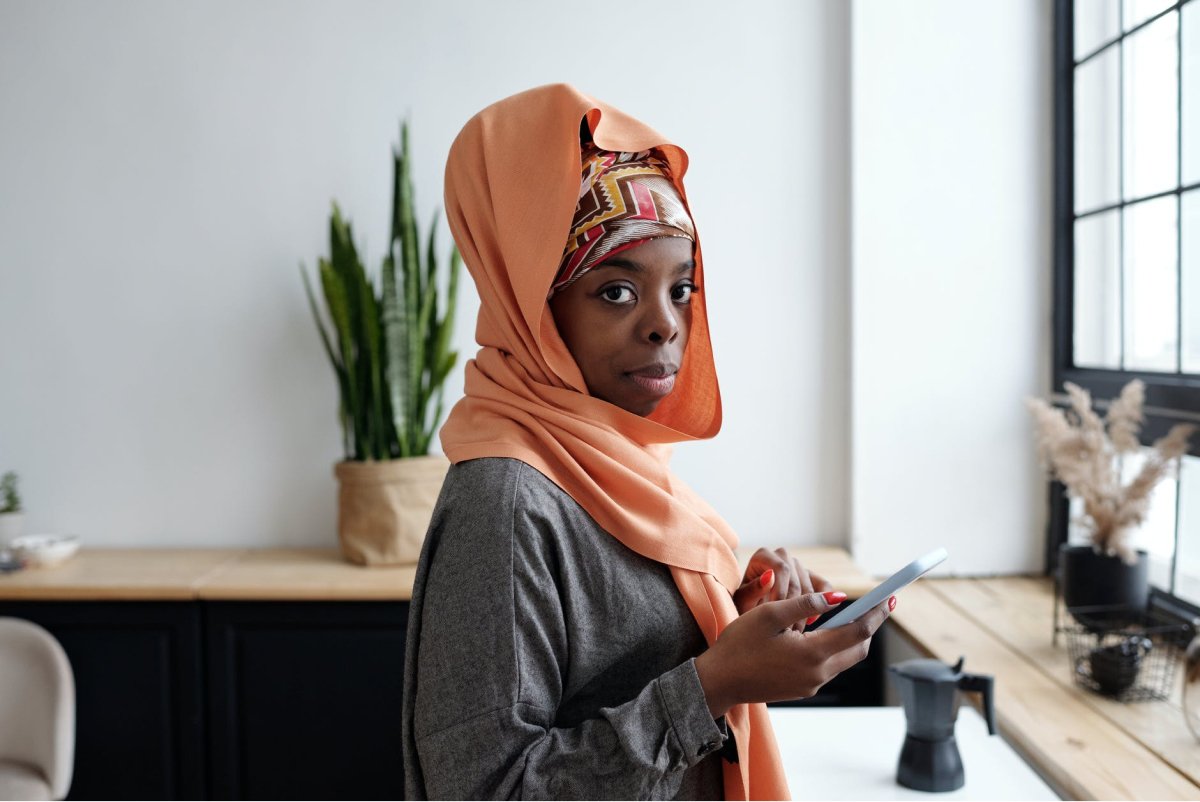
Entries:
{"x":338,"y":368}
{"x":339,"y":313}
{"x":446,"y":326}
{"x":432,"y":426}
{"x":408,"y":226}
{"x":396,"y":346}
{"x":360,"y":369}
{"x":371,"y":337}
{"x":312,"y":304}
{"x":430,"y":284}
{"x":415,"y":355}
{"x":396,"y":179}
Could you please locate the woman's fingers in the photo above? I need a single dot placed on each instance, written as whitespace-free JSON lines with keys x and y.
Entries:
{"x":754,"y":591}
{"x":757,"y":659}
{"x":790,"y":579}
{"x":762,"y":561}
{"x":786,"y":613}
{"x":851,"y":642}
{"x":785,"y":583}
{"x":804,"y":580}
{"x":805,"y":577}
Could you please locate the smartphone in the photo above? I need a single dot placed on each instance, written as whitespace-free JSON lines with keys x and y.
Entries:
{"x":884,"y":590}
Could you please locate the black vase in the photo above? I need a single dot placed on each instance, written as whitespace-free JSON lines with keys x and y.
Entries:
{"x":1091,"y":579}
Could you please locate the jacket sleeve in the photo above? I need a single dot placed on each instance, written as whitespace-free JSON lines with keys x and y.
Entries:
{"x":491,"y":670}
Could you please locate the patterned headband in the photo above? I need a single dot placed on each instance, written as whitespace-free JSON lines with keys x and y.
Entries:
{"x":624,"y":200}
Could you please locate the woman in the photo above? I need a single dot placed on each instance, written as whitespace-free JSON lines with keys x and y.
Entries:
{"x":579,"y":627}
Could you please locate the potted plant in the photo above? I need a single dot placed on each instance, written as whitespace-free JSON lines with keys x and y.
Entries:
{"x":389,"y":347}
{"x":1086,"y":454}
{"x":12,"y":518}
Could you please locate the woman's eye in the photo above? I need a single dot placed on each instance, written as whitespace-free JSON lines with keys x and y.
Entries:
{"x":683,"y":293}
{"x":615,"y":294}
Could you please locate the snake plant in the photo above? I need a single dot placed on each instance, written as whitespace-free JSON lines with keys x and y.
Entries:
{"x":390,"y":348}
{"x":10,"y":497}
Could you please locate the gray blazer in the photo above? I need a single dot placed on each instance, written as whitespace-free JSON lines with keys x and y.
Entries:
{"x":546,"y":660}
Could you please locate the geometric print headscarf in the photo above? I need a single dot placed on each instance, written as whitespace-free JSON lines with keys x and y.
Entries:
{"x":624,"y":200}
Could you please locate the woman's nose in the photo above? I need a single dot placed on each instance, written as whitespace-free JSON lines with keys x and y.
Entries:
{"x":660,"y":324}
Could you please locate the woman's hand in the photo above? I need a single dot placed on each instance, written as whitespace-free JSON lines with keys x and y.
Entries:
{"x":773,"y":575}
{"x":760,"y":657}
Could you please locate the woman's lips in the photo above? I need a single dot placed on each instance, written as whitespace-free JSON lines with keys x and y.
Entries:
{"x":656,"y":385}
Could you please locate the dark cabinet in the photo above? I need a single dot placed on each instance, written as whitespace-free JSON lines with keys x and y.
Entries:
{"x":139,"y":723}
{"x":232,"y":700}
{"x":304,"y":699}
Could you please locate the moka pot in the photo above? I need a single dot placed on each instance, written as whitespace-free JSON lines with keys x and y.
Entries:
{"x":929,"y":760}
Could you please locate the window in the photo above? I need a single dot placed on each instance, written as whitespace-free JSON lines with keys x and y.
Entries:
{"x":1127,"y":242}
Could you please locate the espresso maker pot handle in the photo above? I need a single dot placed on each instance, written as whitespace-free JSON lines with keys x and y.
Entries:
{"x":984,"y":683}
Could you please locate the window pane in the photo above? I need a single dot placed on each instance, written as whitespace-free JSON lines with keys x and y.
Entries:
{"x":1187,"y":569}
{"x":1151,"y":285}
{"x":1097,"y":336}
{"x":1137,"y":11}
{"x":1095,"y":24}
{"x":1097,"y":101}
{"x":1151,"y":108}
{"x":1190,"y":281}
{"x":1190,"y":70}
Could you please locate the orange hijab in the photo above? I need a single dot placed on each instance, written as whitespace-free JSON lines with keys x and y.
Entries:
{"x":512,"y":184}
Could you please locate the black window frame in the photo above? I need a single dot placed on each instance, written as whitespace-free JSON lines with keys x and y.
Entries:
{"x":1170,"y":398}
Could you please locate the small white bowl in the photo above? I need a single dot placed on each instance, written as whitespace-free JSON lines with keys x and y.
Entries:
{"x":44,"y":550}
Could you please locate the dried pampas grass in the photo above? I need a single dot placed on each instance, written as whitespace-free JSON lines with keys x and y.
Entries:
{"x":1083,"y":452}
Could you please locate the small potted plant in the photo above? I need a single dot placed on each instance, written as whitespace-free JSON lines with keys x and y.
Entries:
{"x":12,"y":517}
{"x":389,"y":348}
{"x":1086,"y":454}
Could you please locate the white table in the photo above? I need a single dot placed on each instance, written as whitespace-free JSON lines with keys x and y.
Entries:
{"x":852,"y":753}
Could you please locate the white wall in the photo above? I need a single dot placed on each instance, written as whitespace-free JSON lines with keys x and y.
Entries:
{"x":951,"y":163}
{"x":165,"y":167}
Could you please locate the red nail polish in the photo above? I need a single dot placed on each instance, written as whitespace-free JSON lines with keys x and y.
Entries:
{"x":891,"y":604}
{"x":766,"y":578}
{"x":808,"y":623}
{"x":834,"y":597}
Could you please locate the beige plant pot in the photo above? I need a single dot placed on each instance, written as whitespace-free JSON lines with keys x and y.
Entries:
{"x":384,"y":508}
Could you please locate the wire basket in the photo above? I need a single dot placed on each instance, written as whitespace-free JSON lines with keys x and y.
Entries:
{"x":1125,"y":653}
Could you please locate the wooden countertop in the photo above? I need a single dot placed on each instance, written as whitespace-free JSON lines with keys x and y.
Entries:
{"x":304,"y":574}
{"x":273,"y":574}
{"x":212,"y":574}
{"x":118,"y":574}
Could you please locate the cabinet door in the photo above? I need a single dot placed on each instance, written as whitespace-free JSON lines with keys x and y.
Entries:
{"x":305,"y":699}
{"x":138,"y":710}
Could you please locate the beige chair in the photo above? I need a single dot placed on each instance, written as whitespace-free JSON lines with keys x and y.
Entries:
{"x":37,"y":713}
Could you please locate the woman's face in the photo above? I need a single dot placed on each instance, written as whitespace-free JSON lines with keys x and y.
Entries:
{"x":626,"y":322}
